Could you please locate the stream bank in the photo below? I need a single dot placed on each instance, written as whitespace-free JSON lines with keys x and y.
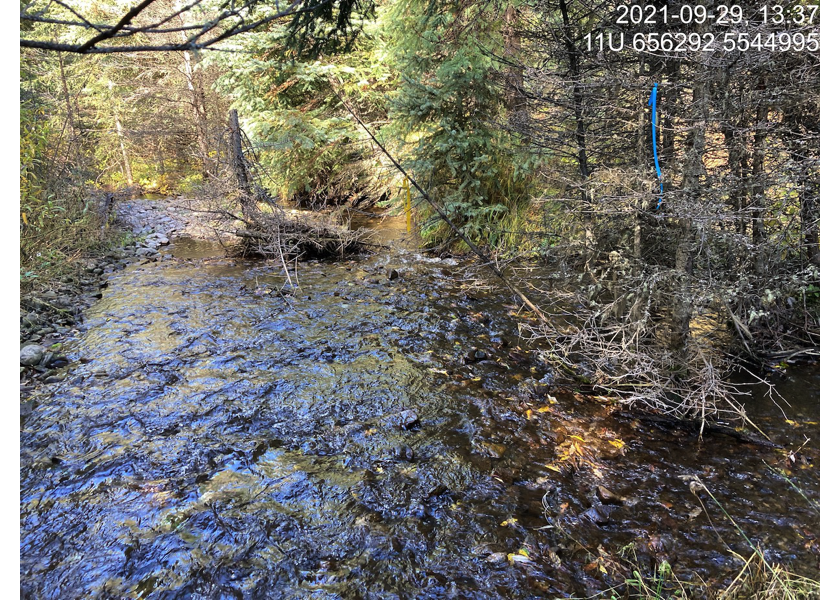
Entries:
{"x":53,"y":314}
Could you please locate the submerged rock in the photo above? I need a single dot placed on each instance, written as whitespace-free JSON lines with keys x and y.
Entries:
{"x":491,"y":449}
{"x":600,"y":515}
{"x":58,"y":361}
{"x":404,"y":453}
{"x":608,"y":497}
{"x":31,"y":354}
{"x":475,"y":355}
{"x":405,"y":419}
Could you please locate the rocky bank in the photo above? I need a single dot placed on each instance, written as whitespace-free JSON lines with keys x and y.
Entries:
{"x":54,"y":313}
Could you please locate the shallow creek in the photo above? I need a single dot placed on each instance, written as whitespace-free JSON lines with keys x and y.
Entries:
{"x":370,"y":438}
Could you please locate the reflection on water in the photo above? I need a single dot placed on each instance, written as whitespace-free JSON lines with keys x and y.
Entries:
{"x":221,"y":439}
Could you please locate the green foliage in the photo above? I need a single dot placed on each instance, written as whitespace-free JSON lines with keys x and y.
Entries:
{"x":441,"y":113}
{"x":57,"y":221}
{"x":325,"y":27}
{"x":313,"y":152}
{"x":446,"y":113}
{"x":34,"y":141}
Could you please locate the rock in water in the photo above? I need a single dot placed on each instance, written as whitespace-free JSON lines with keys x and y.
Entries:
{"x":393,"y":274}
{"x":404,"y":453}
{"x":31,"y":355}
{"x":58,"y":361}
{"x":600,"y":515}
{"x":494,"y":450}
{"x":405,"y":419}
{"x":608,"y":497}
{"x":474,"y":356}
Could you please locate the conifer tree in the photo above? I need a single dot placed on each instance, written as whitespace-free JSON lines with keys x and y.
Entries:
{"x":446,"y":111}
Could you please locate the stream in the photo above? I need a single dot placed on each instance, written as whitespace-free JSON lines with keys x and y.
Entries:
{"x":374,"y":435}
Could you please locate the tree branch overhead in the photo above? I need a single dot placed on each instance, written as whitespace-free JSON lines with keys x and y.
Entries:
{"x":206,"y":23}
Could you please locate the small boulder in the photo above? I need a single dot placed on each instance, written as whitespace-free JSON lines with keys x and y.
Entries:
{"x":418,"y":510}
{"x":58,"y":362}
{"x":393,"y":274}
{"x":404,"y":420}
{"x":491,"y":449}
{"x":31,"y":354}
{"x":474,"y":356}
{"x":599,"y":515}
{"x":608,"y":497}
{"x":33,"y":320}
{"x":404,"y":453}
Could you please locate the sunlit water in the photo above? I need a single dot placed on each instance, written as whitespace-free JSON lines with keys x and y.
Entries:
{"x":218,"y":441}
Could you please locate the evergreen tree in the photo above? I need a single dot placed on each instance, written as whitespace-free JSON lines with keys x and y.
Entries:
{"x":314,"y":153}
{"x":446,"y":111}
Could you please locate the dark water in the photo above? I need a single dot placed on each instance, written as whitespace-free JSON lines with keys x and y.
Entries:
{"x":221,"y":440}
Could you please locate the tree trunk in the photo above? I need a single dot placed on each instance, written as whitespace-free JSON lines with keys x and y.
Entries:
{"x":580,"y":130}
{"x":129,"y":178}
{"x":240,"y":167}
{"x":682,"y":307}
{"x":809,"y":214}
{"x":757,"y":207}
{"x":199,"y":110}
{"x":70,"y":117}
{"x":641,"y":201}
{"x":734,"y":140}
{"x":669,"y":99}
{"x":514,"y":96}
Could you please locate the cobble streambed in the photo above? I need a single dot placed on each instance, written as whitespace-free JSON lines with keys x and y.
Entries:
{"x":370,"y":437}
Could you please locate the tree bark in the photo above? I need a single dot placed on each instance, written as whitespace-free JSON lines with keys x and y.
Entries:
{"x":70,"y":117}
{"x":682,"y":308}
{"x":580,"y":129}
{"x":129,"y":177}
{"x":240,"y":167}
{"x":757,"y":207}
{"x":514,"y":97}
{"x":199,"y":110}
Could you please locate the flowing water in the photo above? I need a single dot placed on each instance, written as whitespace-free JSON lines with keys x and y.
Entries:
{"x":218,"y":439}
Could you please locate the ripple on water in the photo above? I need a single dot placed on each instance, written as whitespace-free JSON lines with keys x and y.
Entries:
{"x":222,"y":442}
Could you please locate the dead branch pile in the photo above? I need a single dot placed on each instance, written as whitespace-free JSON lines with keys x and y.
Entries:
{"x":244,"y":208}
{"x":264,"y":230}
{"x":274,"y":234}
{"x":617,"y":342}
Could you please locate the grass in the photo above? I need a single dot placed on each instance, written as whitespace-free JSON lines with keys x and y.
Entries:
{"x":55,"y":235}
{"x":758,"y":578}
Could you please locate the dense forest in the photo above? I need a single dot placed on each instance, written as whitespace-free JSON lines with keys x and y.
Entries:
{"x":660,"y":161}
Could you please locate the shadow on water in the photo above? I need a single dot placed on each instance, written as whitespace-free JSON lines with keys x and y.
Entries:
{"x":367,"y":438}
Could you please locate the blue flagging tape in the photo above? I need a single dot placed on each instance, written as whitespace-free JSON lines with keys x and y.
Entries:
{"x":652,"y":103}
